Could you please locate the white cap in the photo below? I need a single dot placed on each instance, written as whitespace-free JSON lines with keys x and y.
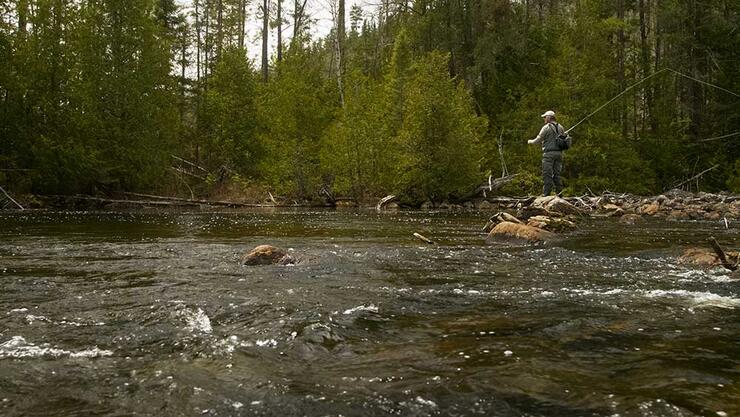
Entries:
{"x":548,"y":113}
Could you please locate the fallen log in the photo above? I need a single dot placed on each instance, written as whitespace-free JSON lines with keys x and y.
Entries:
{"x":132,"y":202}
{"x":197,"y":202}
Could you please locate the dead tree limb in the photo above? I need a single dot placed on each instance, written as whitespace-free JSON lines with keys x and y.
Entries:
{"x":423,"y":238}
{"x":490,"y":185}
{"x":10,"y":200}
{"x":721,"y":254}
{"x":697,"y":176}
{"x":385,"y":201}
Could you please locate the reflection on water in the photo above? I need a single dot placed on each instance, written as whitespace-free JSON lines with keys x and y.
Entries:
{"x":151,"y":314}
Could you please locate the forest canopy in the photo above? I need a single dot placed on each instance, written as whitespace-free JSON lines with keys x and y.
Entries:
{"x":424,"y":99}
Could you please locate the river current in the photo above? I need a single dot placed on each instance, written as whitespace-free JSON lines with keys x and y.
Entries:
{"x":151,"y":314}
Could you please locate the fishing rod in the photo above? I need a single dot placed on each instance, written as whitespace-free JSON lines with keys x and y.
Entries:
{"x":666,"y":69}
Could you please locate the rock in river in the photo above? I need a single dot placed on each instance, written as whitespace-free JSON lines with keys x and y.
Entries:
{"x":267,"y":255}
{"x":506,"y":231}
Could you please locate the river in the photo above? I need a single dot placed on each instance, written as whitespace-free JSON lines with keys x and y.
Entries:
{"x":151,"y":314}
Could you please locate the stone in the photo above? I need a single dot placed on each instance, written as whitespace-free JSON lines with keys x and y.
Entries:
{"x":675,"y":215}
{"x":555,"y":204}
{"x":649,"y":209}
{"x":267,"y":255}
{"x":427,"y":205}
{"x":712,"y":215}
{"x":552,"y":224}
{"x":485,"y":205}
{"x":508,"y":231}
{"x":617,"y":213}
{"x":705,"y":257}
{"x":497,"y":218}
{"x":676,"y":193}
{"x":629,"y":219}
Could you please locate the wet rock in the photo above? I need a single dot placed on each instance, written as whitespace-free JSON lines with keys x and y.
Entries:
{"x":629,"y":219}
{"x":712,"y":215}
{"x":555,"y":204}
{"x":553,"y":224}
{"x":676,"y":215}
{"x":507,"y":231}
{"x":525,"y":213}
{"x":485,"y":205}
{"x":678,"y":194}
{"x":705,"y":257}
{"x":498,"y":218}
{"x":267,"y":255}
{"x":649,"y":209}
{"x":427,"y":205}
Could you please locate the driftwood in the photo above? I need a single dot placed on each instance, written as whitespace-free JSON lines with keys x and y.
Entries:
{"x":423,"y":238}
{"x":197,"y":202}
{"x":130,"y":202}
{"x":721,"y":255}
{"x":7,"y":201}
{"x":385,"y":201}
{"x":488,"y":186}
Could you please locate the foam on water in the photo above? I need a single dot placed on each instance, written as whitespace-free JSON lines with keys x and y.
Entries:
{"x":371,"y":308}
{"x":18,"y":347}
{"x":696,"y":298}
{"x":196,"y":321}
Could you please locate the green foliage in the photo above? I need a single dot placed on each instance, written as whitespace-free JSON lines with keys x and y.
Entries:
{"x":96,"y":95}
{"x":228,"y":134}
{"x":293,"y":134}
{"x":439,"y":138}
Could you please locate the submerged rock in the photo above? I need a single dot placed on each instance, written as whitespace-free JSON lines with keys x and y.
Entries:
{"x":506,"y":231}
{"x":629,"y":219}
{"x":267,"y":255}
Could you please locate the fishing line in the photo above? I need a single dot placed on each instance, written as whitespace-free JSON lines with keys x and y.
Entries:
{"x":666,"y":69}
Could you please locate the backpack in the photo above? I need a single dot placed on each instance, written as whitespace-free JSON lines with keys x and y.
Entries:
{"x":563,"y":141}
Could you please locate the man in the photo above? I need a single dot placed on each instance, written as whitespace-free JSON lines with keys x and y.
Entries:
{"x":552,"y":157}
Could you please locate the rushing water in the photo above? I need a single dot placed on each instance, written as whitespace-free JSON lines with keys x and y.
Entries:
{"x":151,"y":314}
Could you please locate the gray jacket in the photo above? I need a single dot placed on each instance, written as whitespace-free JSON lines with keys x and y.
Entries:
{"x":547,"y":137}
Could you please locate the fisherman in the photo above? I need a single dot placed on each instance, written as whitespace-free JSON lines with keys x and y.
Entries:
{"x":552,"y":157}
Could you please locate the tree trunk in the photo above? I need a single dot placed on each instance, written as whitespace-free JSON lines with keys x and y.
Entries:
{"x":265,"y":20}
{"x":207,"y":46}
{"x":197,"y":40}
{"x":645,"y":58}
{"x":279,"y":30}
{"x":219,"y":28}
{"x":22,"y":17}
{"x":242,"y":24}
{"x":621,"y":51}
{"x":340,"y":49}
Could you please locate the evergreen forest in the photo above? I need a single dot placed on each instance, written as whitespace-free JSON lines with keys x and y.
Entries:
{"x":425,"y":99}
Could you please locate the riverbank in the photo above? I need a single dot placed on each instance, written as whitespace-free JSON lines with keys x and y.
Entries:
{"x":672,"y":205}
